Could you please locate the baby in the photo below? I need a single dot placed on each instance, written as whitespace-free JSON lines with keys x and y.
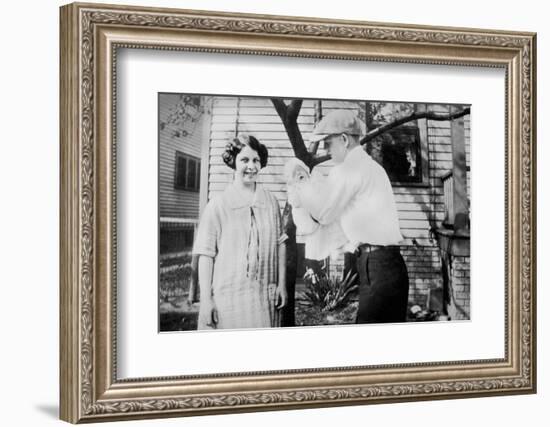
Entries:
{"x":320,"y":240}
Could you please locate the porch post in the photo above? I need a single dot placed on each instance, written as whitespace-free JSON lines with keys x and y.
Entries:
{"x":454,"y":243}
{"x":460,"y":195}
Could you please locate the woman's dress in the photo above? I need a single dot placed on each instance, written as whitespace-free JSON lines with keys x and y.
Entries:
{"x":243,"y":237}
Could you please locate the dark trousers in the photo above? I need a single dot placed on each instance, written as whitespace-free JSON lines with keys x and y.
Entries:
{"x":383,"y":287}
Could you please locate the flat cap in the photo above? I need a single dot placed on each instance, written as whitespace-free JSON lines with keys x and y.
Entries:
{"x":336,"y":122}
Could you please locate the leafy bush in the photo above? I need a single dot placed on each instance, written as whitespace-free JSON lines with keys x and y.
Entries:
{"x":175,"y":278}
{"x":328,"y":293}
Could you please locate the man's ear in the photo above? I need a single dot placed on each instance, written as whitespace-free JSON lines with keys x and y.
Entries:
{"x":346,"y":140}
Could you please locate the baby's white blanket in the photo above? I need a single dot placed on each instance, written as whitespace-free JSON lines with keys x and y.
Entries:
{"x":320,"y":240}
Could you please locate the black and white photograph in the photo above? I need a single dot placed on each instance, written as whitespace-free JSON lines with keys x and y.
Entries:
{"x":285,"y":212}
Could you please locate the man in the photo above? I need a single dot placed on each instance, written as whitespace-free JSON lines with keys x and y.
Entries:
{"x":359,"y":195}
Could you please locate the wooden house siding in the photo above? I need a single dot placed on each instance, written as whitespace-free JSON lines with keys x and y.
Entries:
{"x":419,"y":207}
{"x":177,"y":203}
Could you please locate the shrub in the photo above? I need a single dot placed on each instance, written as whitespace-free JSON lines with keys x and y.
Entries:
{"x":175,"y":281}
{"x":328,"y":293}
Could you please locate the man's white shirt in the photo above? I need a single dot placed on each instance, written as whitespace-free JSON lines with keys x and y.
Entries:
{"x":359,"y":195}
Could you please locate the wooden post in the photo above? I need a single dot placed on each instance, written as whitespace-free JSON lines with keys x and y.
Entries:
{"x":460,"y":195}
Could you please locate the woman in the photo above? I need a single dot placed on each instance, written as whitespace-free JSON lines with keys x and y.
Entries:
{"x":241,"y":247}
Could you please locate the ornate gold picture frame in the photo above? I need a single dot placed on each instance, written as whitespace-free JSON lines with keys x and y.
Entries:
{"x":91,"y":36}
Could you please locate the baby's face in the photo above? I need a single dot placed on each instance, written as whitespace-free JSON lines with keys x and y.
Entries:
{"x":299,"y":174}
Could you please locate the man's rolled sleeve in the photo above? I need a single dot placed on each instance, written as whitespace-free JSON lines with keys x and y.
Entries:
{"x":326,"y":205}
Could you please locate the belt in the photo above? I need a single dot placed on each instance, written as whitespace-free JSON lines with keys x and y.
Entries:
{"x":367,"y":248}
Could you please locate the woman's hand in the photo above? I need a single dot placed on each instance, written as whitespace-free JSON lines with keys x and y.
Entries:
{"x":281,"y":297}
{"x":208,"y":314}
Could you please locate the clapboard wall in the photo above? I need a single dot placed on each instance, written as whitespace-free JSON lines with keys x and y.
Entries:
{"x":418,"y":207}
{"x":177,"y":203}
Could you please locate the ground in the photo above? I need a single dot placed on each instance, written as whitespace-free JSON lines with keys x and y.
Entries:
{"x":312,"y":316}
{"x":177,"y":314}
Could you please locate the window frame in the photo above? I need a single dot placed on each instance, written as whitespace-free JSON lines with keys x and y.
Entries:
{"x":197,"y":181}
{"x":422,"y":126}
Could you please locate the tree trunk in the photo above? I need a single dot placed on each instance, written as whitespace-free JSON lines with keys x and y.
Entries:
{"x":288,"y":317}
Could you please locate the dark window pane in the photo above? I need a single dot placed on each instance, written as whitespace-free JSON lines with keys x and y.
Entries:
{"x":187,"y":175}
{"x":399,"y":152}
{"x":191,"y":174}
{"x":181,"y":171}
{"x":198,"y":186}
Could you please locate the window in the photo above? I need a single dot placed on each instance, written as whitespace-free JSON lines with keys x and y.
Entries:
{"x":187,"y":175}
{"x":403,"y":150}
{"x":399,"y":151}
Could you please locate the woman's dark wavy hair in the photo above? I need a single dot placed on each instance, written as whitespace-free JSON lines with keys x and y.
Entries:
{"x":235,"y":146}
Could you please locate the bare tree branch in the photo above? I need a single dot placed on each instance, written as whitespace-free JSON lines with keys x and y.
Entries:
{"x":384,"y":128}
{"x":415,"y":116}
{"x":289,"y":117}
{"x":280,"y":107}
{"x":293,"y":110}
{"x":320,"y":159}
{"x":313,"y":147}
